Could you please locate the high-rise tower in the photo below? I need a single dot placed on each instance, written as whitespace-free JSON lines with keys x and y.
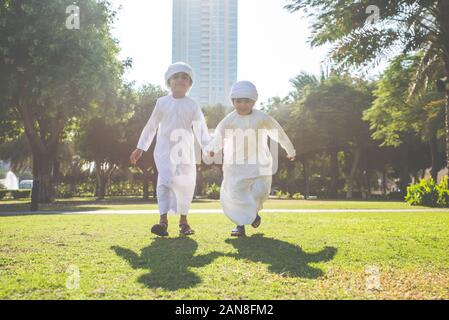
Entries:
{"x":205,"y":36}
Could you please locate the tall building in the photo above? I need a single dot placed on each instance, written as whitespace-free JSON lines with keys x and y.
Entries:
{"x":205,"y":36}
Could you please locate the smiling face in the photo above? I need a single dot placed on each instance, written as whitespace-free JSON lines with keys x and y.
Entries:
{"x":243,"y":106}
{"x":179,"y":84}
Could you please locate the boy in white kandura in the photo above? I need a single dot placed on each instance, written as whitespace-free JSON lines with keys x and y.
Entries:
{"x":174,"y":117}
{"x":248,"y":163}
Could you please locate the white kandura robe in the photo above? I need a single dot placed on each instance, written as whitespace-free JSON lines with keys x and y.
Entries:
{"x":247,"y":171}
{"x":174,"y":154}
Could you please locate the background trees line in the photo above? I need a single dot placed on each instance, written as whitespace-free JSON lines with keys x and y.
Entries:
{"x":67,"y":113}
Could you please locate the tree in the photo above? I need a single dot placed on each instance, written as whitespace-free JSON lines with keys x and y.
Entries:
{"x":50,"y":74}
{"x":336,"y":107}
{"x":403,"y":25}
{"x":99,"y":142}
{"x":395,"y":119}
{"x":143,"y":107}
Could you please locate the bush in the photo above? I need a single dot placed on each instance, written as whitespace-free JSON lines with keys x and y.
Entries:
{"x":3,"y":194}
{"x":428,"y":193}
{"x":63,"y":191}
{"x":125,"y":188}
{"x":85,"y":189}
{"x":14,"y":194}
{"x":297,"y":196}
{"x":282,"y":195}
{"x":213,"y":191}
{"x":21,"y":194}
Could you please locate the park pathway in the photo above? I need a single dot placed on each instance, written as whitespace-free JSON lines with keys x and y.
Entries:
{"x":214,"y":211}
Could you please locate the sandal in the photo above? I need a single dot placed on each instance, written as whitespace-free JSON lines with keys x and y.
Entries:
{"x":185,"y":230}
{"x":256,"y":222}
{"x":160,"y":229}
{"x":239,"y":231}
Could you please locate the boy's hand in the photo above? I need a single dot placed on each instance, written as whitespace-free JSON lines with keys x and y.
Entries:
{"x":135,"y":156}
{"x":291,"y":158}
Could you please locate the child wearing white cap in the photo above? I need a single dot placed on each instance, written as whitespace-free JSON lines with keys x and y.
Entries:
{"x":248,"y":164}
{"x":174,"y":117}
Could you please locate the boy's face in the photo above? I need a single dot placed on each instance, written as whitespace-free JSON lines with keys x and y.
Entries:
{"x":243,"y":106}
{"x":180,"y":83}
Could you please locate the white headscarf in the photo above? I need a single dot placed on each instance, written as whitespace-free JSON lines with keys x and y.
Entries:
{"x":244,"y":89}
{"x":179,"y":67}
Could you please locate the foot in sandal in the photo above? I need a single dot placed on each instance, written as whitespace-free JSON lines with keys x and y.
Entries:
{"x":239,"y":231}
{"x":185,"y":230}
{"x":256,"y":222}
{"x":160,"y":229}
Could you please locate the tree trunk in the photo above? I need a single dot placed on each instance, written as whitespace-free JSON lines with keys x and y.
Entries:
{"x":384,"y":181}
{"x":404,"y":174}
{"x":99,"y":188}
{"x":447,"y":127}
{"x":334,"y":173}
{"x":154,"y":177}
{"x":305,"y":165}
{"x":199,"y":190}
{"x":433,"y":143}
{"x":443,"y":22}
{"x":355,"y":164}
{"x":146,"y":184}
{"x":42,"y":166}
{"x":365,"y":178}
{"x":103,"y":177}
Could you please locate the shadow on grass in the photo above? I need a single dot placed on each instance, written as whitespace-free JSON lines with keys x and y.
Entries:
{"x":282,"y":257}
{"x":168,"y":260}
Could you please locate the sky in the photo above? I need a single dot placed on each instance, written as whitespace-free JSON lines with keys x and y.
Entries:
{"x":272,"y":43}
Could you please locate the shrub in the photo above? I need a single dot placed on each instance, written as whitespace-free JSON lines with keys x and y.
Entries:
{"x":21,"y":194}
{"x":125,"y":188}
{"x":3,"y":194}
{"x":63,"y":191}
{"x":428,"y":193}
{"x":213,"y":191}
{"x":297,"y":196}
{"x":282,"y":195}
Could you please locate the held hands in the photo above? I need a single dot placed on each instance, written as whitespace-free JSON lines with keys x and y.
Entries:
{"x":135,"y":156}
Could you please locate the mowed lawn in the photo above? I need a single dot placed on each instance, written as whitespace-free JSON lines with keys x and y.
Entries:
{"x":123,"y":203}
{"x":397,"y":255}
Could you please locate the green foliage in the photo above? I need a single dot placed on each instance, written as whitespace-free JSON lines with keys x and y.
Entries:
{"x":125,"y":188}
{"x":63,"y":191}
{"x":428,"y":193}
{"x":213,"y":191}
{"x":14,"y":194}
{"x":297,"y":196}
{"x":87,"y":189}
{"x":282,"y":195}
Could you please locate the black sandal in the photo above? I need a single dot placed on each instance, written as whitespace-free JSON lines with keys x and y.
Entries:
{"x":239,"y":231}
{"x":160,"y":229}
{"x":185,"y":230}
{"x":256,"y":222}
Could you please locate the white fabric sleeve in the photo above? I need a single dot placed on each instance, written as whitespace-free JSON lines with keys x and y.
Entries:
{"x":278,"y":134}
{"x":200,"y":129}
{"x":147,"y":135}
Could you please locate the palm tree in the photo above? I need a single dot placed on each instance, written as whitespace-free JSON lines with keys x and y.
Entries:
{"x":404,"y":25}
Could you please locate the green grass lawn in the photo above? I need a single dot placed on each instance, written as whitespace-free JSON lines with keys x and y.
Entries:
{"x":291,"y":256}
{"x":80,"y":204}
